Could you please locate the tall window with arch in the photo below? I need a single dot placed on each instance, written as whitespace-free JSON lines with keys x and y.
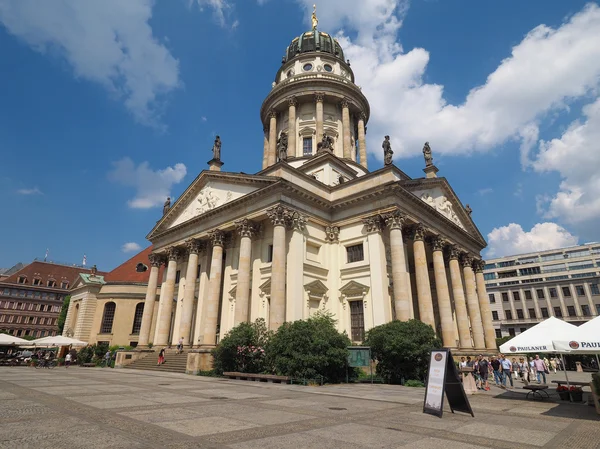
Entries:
{"x":137,"y":319}
{"x":107,"y":318}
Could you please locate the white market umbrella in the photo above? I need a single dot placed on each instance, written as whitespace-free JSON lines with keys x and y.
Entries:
{"x":6,"y":340}
{"x":539,"y":338}
{"x":57,"y":340}
{"x":585,"y":340}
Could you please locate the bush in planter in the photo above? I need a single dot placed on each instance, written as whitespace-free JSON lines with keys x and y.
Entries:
{"x":563,"y":392}
{"x":242,"y":349}
{"x":402,"y":349}
{"x":309,"y":349}
{"x":414,"y":383}
{"x":576,"y":394}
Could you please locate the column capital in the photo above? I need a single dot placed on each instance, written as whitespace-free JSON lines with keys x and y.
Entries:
{"x":156,"y":260}
{"x":217,"y":237}
{"x":245,"y":227}
{"x":296,"y":220}
{"x":454,"y":252}
{"x":345,"y":103}
{"x":319,"y":97}
{"x":394,"y":220}
{"x":277,"y":215}
{"x":362,"y":116}
{"x":332,"y":234}
{"x":419,"y":232}
{"x":173,"y":253}
{"x":194,"y":246}
{"x":373,"y":224}
{"x":467,"y":261}
{"x":478,"y":265}
{"x":438,"y":243}
{"x":272,"y":114}
{"x":292,"y":101}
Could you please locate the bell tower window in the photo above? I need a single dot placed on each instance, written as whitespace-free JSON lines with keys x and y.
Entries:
{"x":307,"y":146}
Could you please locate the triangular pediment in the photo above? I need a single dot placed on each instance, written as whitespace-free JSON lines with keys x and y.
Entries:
{"x":354,"y":289}
{"x":316,"y":289}
{"x":208,"y":192}
{"x":265,"y":287}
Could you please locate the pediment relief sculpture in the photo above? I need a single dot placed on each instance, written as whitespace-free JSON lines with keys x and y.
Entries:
{"x":443,"y":206}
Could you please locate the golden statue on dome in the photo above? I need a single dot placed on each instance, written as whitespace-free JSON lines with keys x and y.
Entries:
{"x":313,"y":18}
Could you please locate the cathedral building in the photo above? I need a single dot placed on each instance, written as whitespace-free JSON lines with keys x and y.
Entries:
{"x":315,"y":230}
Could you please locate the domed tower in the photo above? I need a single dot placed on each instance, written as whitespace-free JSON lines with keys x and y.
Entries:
{"x":315,"y":103}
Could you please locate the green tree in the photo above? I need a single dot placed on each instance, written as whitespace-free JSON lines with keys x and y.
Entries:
{"x":402,"y":349}
{"x":308,"y":349}
{"x":242,"y":349}
{"x":501,"y":341}
{"x":63,"y":314}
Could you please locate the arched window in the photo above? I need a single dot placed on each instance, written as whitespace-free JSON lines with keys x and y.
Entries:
{"x":137,"y":318}
{"x":107,"y":318}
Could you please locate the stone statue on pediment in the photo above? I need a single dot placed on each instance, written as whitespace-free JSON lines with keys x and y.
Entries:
{"x":469,"y":210}
{"x":282,"y":146}
{"x":326,"y":143}
{"x":217,"y":149}
{"x":166,"y":206}
{"x":427,"y":155}
{"x":387,"y":151}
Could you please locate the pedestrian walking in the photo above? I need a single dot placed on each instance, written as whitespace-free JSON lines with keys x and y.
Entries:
{"x":553,"y":364}
{"x":161,"y":357}
{"x":180,"y":346}
{"x":497,"y":367}
{"x":540,"y":368}
{"x":107,"y":358}
{"x":523,"y":370}
{"x":68,"y":360}
{"x":483,"y":368}
{"x":506,"y":370}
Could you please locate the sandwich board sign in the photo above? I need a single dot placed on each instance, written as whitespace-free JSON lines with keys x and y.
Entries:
{"x":443,"y":377}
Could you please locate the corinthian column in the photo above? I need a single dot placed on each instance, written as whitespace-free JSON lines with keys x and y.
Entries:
{"x":292,"y":150}
{"x":211,"y":307}
{"x":346,"y":128}
{"x":272,"y":138}
{"x":362,"y":142}
{"x":155,"y":261}
{"x":245,"y":228}
{"x":422,"y":276}
{"x":278,"y":216}
{"x":163,"y":326}
{"x":443,"y":294}
{"x":319,"y":97}
{"x":185,"y":325}
{"x":484,"y":306}
{"x":473,"y":303}
{"x":265,"y":147}
{"x":460,"y":306}
{"x":400,"y":276}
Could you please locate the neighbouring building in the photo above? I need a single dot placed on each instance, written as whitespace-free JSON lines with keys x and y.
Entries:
{"x":31,"y":297}
{"x":313,"y":230}
{"x":528,"y":288}
{"x":108,"y":307}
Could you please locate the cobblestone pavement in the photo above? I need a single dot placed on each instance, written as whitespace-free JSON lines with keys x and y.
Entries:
{"x":106,"y":408}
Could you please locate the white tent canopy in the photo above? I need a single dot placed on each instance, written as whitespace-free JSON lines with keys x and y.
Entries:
{"x":540,"y":337}
{"x":6,"y":339}
{"x":585,"y":339}
{"x":57,"y":340}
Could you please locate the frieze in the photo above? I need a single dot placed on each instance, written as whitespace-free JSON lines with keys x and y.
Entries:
{"x":332,"y":234}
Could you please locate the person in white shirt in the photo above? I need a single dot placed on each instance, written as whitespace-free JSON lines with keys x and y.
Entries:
{"x":68,"y":360}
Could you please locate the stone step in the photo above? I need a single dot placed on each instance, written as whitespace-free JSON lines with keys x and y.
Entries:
{"x":174,"y":362}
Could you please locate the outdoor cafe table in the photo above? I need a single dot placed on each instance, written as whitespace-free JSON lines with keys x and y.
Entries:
{"x":571,"y":382}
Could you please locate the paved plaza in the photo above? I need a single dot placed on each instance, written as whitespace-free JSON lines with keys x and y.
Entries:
{"x":106,"y":408}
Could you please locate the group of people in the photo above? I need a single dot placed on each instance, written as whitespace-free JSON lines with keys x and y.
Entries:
{"x":505,"y":371}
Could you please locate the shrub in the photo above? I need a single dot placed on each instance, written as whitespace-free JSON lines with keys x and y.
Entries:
{"x":414,"y":383}
{"x":402,"y":349}
{"x":242,"y":349}
{"x":308,"y":349}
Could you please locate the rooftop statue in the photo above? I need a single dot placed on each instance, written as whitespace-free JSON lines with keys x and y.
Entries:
{"x":282,"y":146}
{"x":313,"y":18}
{"x":167,"y":206}
{"x":387,"y":151}
{"x":217,"y":149}
{"x":427,"y":154}
{"x":326,"y":143}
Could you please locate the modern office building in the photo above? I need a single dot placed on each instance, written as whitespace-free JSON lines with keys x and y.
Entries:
{"x":528,"y":288}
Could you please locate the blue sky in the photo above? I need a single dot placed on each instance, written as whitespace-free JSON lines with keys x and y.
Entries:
{"x":108,"y":107}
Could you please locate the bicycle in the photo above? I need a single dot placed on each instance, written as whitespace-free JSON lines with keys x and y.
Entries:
{"x":50,"y":364}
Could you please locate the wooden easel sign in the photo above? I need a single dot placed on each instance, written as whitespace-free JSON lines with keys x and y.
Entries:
{"x":443,"y":377}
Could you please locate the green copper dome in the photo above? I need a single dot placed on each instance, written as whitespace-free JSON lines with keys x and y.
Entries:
{"x":314,"y":40}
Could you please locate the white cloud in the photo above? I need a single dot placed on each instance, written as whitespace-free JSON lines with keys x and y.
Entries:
{"x":109,"y":42}
{"x":512,"y":239}
{"x":152,"y":186}
{"x":130,"y":247}
{"x":34,"y":191}
{"x":576,"y":156}
{"x":221,"y":10}
{"x":485,"y":191}
{"x":525,"y":87}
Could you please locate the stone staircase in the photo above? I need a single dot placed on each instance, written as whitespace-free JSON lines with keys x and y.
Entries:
{"x":174,"y":363}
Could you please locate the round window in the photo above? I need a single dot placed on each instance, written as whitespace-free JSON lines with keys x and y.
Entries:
{"x":307,"y":67}
{"x":328,"y":68}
